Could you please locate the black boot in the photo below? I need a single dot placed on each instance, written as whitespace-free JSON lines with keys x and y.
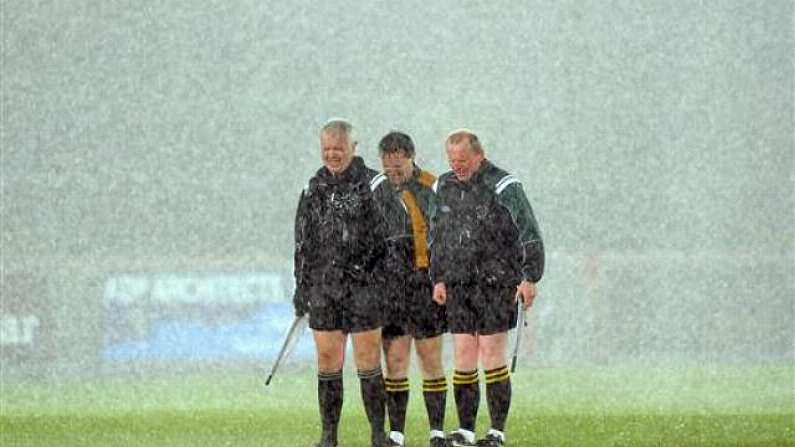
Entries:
{"x":330,"y":393}
{"x":374,"y":397}
{"x":327,"y":439}
{"x":378,"y":440}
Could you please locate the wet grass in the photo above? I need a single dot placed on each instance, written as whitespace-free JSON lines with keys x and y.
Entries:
{"x":726,"y":406}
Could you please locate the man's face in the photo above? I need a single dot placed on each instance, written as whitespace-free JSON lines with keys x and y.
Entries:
{"x":398,"y":167}
{"x":463,"y":160}
{"x":336,"y":151}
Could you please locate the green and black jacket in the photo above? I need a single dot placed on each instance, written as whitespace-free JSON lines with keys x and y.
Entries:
{"x":483,"y":230}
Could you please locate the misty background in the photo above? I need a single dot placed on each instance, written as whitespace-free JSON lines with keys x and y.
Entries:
{"x":153,"y":153}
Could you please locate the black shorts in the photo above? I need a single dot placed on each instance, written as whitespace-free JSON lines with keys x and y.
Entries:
{"x":410,"y":310}
{"x":482,"y":310}
{"x":348,"y":308}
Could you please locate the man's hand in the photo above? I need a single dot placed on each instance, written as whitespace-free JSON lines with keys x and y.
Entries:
{"x":440,"y":293}
{"x":301,"y":304}
{"x":527,"y":290}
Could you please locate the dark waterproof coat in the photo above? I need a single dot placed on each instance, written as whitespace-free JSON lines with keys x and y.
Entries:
{"x":341,"y":231}
{"x":483,"y":230}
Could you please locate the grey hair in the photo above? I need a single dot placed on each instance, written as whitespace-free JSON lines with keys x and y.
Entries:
{"x":340,"y":125}
{"x":455,"y":137}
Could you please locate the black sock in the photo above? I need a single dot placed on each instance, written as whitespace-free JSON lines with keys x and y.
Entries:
{"x":329,"y":394}
{"x":374,"y":396}
{"x":467,"y":397}
{"x":435,"y":393}
{"x":397,"y":399}
{"x":498,"y":396}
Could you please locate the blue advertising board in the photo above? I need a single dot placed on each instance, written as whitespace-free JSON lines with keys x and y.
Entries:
{"x":197,"y":317}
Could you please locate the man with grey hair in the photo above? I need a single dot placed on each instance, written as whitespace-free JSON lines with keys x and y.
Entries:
{"x":486,"y":252}
{"x":340,"y":247}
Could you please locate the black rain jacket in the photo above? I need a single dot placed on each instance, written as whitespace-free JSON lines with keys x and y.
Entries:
{"x":341,"y":231}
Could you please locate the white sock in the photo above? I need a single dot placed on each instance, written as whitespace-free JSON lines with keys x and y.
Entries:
{"x":397,"y":437}
{"x":497,"y":433}
{"x":437,"y":434}
{"x":468,"y":435}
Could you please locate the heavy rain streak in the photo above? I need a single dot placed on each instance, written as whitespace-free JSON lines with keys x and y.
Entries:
{"x":153,"y":155}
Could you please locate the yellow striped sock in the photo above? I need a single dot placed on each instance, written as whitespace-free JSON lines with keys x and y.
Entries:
{"x":434,"y":385}
{"x":396,"y":385}
{"x":465,"y":377}
{"x":497,"y":375}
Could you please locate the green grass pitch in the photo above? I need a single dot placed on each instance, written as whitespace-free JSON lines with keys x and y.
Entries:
{"x":627,"y":406}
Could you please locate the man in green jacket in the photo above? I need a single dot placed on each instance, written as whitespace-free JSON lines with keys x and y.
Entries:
{"x":486,"y":253}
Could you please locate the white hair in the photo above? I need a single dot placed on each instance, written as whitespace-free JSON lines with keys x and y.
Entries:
{"x":455,"y":136}
{"x":458,"y":131}
{"x":337,"y":124}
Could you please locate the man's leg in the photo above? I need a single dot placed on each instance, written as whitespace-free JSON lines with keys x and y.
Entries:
{"x":466,"y":386}
{"x":397,"y":350}
{"x":434,"y":385}
{"x":498,"y":380}
{"x":367,"y":355}
{"x":330,"y":346}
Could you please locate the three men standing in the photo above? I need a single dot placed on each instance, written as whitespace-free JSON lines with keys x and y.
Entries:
{"x":366,"y":255}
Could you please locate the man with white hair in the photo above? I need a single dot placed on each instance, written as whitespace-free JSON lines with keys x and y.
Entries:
{"x":340,"y":248}
{"x":486,"y":253}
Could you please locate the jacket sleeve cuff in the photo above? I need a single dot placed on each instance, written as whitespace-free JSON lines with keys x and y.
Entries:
{"x":533,"y":266}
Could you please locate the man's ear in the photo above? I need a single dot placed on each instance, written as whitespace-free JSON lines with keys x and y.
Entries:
{"x":353,"y":146}
{"x":481,"y":155}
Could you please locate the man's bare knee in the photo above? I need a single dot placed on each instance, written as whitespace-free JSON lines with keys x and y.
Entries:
{"x":429,"y":352}
{"x":330,"y":346}
{"x":367,"y":349}
{"x":466,"y":352}
{"x":398,"y":354}
{"x":493,"y":350}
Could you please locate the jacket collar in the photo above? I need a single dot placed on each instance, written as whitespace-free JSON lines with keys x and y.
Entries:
{"x":476,"y":177}
{"x":353,"y":171}
{"x":415,"y":173}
